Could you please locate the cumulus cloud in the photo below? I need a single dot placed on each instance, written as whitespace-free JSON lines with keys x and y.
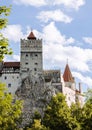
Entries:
{"x":57,"y":54}
{"x":75,"y":4}
{"x":51,"y":34}
{"x":57,"y":48}
{"x":84,"y":79}
{"x":88,"y":40}
{"x":36,"y":3}
{"x":13,"y":32}
{"x":56,"y":15}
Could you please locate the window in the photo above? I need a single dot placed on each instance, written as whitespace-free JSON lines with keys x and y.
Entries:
{"x":36,"y":55}
{"x":35,"y":69}
{"x":26,"y":55}
{"x":35,"y":82}
{"x":9,"y":85}
{"x":36,"y":63}
{"x":5,"y":77}
{"x":27,"y":69}
{"x":26,"y":63}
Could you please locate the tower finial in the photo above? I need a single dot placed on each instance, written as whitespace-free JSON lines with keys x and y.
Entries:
{"x":31,"y":29}
{"x":67,"y":61}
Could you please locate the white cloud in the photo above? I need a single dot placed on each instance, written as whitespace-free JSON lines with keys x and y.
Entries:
{"x":12,"y":57}
{"x":51,"y":34}
{"x":88,"y":40}
{"x":56,"y":15}
{"x":56,"y":55}
{"x":36,"y":3}
{"x":13,"y":32}
{"x":84,"y":79}
{"x":57,"y":49}
{"x":16,"y":57}
{"x":75,"y":4}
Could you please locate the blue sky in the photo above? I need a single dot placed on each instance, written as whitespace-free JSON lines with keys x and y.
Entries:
{"x":65,"y":27}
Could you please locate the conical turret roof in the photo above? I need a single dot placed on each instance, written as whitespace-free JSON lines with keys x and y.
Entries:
{"x":67,"y":74}
{"x":31,"y":36}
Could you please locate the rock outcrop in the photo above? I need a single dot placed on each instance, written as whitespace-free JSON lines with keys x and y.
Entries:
{"x":36,"y":94}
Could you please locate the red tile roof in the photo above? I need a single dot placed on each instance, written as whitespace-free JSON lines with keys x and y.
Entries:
{"x":11,"y":64}
{"x":31,"y":36}
{"x":68,"y":75}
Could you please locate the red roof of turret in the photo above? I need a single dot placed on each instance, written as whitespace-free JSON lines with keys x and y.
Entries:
{"x":31,"y":36}
{"x":68,"y":75}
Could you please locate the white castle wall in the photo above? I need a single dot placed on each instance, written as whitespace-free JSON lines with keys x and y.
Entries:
{"x":11,"y":80}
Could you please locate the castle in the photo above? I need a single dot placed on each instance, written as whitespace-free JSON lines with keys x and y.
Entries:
{"x":36,"y":86}
{"x":30,"y":71}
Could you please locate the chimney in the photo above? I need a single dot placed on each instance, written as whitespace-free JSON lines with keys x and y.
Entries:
{"x":80,"y":87}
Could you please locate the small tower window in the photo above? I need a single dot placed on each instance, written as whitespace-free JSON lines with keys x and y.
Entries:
{"x":36,"y":63}
{"x":26,"y":63}
{"x":26,"y":55}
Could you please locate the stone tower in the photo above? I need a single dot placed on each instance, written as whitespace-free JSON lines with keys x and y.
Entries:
{"x":31,"y":56}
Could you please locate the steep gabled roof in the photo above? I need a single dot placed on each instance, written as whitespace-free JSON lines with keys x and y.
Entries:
{"x":31,"y":36}
{"x":68,"y":75}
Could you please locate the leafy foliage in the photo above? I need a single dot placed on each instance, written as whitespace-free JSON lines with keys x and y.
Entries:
{"x":10,"y":110}
{"x":58,"y":116}
{"x":37,"y":126}
{"x":4,"y":50}
{"x":87,"y":116}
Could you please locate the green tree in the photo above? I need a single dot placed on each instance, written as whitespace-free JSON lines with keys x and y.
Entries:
{"x":87,"y":116}
{"x":58,"y":116}
{"x":83,"y":115}
{"x":10,"y":110}
{"x":4,"y":45}
{"x":37,"y":126}
{"x":76,"y":111}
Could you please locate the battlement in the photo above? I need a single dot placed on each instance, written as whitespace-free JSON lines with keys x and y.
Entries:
{"x":31,"y":45}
